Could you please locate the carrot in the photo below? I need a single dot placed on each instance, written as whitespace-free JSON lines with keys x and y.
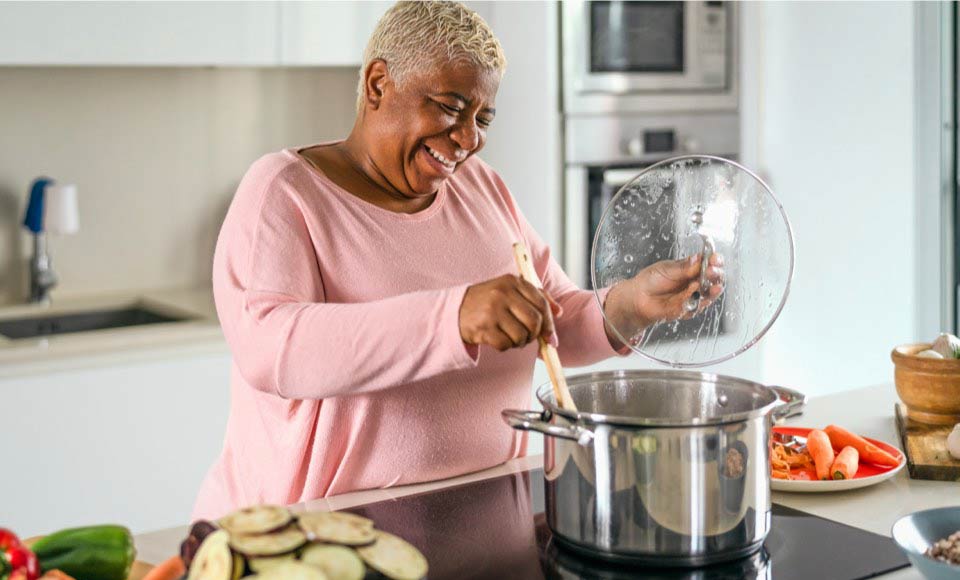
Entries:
{"x":846,"y":463}
{"x":818,"y":444}
{"x":170,"y":568}
{"x":55,"y":575}
{"x":869,"y":452}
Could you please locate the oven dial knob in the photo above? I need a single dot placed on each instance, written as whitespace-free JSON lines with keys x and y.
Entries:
{"x":634,"y":147}
{"x":690,"y":145}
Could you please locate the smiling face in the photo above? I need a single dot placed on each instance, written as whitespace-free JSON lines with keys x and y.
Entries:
{"x":421,"y":130}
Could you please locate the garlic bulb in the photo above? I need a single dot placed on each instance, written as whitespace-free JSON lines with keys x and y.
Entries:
{"x":929,"y":354}
{"x":947,"y":345}
{"x":953,"y":442}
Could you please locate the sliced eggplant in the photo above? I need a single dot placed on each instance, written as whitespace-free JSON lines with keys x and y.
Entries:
{"x":394,"y":557}
{"x":337,"y":562}
{"x":256,"y":519}
{"x":214,"y":560}
{"x":272,"y":544}
{"x":198,"y":533}
{"x":292,"y":571}
{"x":259,"y":565}
{"x":239,"y":566}
{"x":337,"y":528}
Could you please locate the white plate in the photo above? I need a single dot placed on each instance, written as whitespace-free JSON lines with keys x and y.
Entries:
{"x":801,"y":486}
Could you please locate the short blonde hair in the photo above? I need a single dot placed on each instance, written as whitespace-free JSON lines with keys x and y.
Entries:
{"x":412,"y":36}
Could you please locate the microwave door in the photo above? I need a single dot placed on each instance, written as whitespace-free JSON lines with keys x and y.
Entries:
{"x":649,"y":46}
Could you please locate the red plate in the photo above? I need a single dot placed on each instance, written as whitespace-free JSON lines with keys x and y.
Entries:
{"x":806,"y":478}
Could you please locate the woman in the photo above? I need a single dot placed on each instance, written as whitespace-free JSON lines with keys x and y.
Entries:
{"x":368,"y":291}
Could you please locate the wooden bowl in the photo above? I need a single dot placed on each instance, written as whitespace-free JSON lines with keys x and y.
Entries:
{"x":929,"y":387}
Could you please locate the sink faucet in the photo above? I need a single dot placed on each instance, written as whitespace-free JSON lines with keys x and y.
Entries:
{"x":52,"y":208}
{"x":42,"y":276}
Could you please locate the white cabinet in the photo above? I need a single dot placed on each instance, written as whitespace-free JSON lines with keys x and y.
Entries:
{"x":138,"y":33}
{"x":200,"y":33}
{"x":124,"y":444}
{"x":327,"y":33}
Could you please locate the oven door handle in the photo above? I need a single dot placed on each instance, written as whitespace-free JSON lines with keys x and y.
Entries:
{"x":621,"y":176}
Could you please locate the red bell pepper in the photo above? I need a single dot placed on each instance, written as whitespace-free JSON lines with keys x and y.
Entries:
{"x":17,"y":562}
{"x":8,"y":539}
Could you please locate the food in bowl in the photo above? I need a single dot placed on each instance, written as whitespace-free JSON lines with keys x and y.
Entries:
{"x":946,"y":345}
{"x":269,"y":542}
{"x":928,"y":387}
{"x":946,"y":549}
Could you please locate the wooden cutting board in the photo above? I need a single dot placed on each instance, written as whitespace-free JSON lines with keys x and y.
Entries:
{"x":926,"y":448}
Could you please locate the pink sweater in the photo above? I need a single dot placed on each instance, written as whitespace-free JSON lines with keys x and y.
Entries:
{"x":348,"y":368}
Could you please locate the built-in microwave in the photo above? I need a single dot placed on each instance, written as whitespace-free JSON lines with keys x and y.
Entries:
{"x":648,"y":55}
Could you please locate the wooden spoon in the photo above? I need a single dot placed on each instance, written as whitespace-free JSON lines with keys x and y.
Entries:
{"x":547,"y":352}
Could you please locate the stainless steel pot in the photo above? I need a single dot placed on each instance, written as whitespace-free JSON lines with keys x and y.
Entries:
{"x":667,"y":468}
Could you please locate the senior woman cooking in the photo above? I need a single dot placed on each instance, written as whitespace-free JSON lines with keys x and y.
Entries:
{"x":368,"y":291}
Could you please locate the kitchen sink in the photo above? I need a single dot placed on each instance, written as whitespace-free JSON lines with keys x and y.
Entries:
{"x":51,"y":324}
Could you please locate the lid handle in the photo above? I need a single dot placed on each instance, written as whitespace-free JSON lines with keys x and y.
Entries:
{"x":709,"y":248}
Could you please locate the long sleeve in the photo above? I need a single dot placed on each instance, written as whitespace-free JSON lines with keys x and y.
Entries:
{"x":288,"y":340}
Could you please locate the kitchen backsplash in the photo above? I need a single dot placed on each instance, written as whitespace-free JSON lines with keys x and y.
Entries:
{"x":156,"y":154}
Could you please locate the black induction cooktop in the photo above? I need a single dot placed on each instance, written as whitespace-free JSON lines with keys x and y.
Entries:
{"x":496,"y":529}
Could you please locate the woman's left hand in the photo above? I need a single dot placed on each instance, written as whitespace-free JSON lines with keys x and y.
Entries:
{"x":660,"y":292}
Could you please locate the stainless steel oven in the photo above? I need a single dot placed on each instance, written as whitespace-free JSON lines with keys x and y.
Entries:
{"x":648,"y":55}
{"x":602,"y":153}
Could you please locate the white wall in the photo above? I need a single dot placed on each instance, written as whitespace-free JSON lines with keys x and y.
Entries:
{"x":523,"y":144}
{"x":833,"y":118}
{"x":157,"y":154}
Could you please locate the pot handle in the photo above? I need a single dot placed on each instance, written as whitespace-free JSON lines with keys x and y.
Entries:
{"x":540,"y":422}
{"x":791,"y":402}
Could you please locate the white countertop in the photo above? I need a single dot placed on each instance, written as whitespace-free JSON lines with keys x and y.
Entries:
{"x":199,"y":334}
{"x":868,"y":411}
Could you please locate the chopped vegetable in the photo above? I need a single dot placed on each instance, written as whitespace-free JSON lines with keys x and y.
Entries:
{"x":292,"y":571}
{"x":337,"y":528}
{"x":394,"y":557}
{"x":198,"y":533}
{"x":846,"y":464}
{"x":256,"y":520}
{"x":869,"y":452}
{"x":213,"y":560}
{"x":272,"y":544}
{"x":784,"y":458}
{"x":818,"y":444}
{"x":265,"y":563}
{"x":337,"y":562}
{"x":101,"y":552}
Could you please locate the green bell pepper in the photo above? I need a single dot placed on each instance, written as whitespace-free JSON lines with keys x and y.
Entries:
{"x":88,"y":553}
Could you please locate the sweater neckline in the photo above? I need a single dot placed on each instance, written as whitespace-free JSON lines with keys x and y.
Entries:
{"x":425,"y":213}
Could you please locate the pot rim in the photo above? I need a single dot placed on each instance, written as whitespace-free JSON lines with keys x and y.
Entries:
{"x":620,"y":420}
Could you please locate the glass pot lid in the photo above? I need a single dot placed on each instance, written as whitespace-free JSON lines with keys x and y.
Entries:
{"x":699,"y":204}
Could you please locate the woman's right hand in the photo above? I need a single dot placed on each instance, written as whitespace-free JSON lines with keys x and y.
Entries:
{"x":506,"y":312}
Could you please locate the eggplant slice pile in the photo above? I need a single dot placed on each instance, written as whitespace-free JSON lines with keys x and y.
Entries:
{"x":271,"y":543}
